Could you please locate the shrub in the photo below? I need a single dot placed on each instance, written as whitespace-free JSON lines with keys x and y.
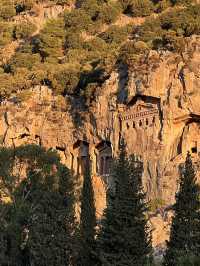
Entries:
{"x":150,"y":30}
{"x":162,"y":5}
{"x":24,"y":30}
{"x":189,"y":260}
{"x":73,"y":41}
{"x":64,"y":80}
{"x":96,"y":45}
{"x":24,"y":60}
{"x":185,"y":22}
{"x":138,"y":8}
{"x":131,"y":51}
{"x":91,"y":7}
{"x":78,"y":37}
{"x":24,"y":95}
{"x":114,"y":34}
{"x":23,"y":5}
{"x":51,"y":40}
{"x":21,"y":79}
{"x":77,"y":20}
{"x":6,"y":33}
{"x":75,"y":56}
{"x":109,"y":13}
{"x":156,"y":204}
{"x":6,"y":82}
{"x":7,"y":9}
{"x":60,"y":102}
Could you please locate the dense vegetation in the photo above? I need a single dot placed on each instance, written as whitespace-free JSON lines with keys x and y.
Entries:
{"x":75,"y":53}
{"x":185,"y":230}
{"x":39,"y":225}
{"x":124,"y":237}
{"x":37,"y":218}
{"x":88,"y":222}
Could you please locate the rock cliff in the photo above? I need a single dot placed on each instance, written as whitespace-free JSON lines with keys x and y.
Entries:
{"x":154,"y":106}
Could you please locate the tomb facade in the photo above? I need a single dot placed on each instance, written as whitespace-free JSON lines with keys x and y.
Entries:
{"x":104,"y":158}
{"x":190,"y":139}
{"x":141,"y":112}
{"x":80,"y":157}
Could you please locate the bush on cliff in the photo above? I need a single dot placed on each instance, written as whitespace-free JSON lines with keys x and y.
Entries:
{"x":24,"y":30}
{"x":138,"y":8}
{"x":89,"y":37}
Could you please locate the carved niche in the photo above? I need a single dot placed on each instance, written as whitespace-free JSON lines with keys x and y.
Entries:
{"x":104,"y":158}
{"x":140,"y":112}
{"x":80,"y":157}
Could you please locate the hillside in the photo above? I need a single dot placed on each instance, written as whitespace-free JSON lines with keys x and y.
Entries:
{"x":77,"y":76}
{"x":73,"y":47}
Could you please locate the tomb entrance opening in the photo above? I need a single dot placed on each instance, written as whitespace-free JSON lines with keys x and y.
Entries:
{"x":104,"y":158}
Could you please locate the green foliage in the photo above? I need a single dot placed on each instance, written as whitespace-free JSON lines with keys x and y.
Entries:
{"x":73,"y":41}
{"x":181,"y":2}
{"x":65,"y":80}
{"x":156,"y":204}
{"x":124,"y":237}
{"x":185,"y":230}
{"x":91,"y":7}
{"x":162,"y":5}
{"x":24,"y":30}
{"x":87,"y":220}
{"x":166,"y":32}
{"x":39,"y":218}
{"x":115,"y":35}
{"x":131,"y":52}
{"x":77,"y":20}
{"x":176,"y":23}
{"x":6,"y":81}
{"x":6,"y":33}
{"x":51,"y":40}
{"x":24,"y":95}
{"x":7,"y":9}
{"x":109,"y":13}
{"x":11,"y":83}
{"x":23,"y":5}
{"x":138,"y":8}
{"x":188,"y":260}
{"x":23,"y":60}
{"x":88,"y":37}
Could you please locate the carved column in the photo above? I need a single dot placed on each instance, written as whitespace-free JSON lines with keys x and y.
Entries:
{"x":75,"y":162}
{"x":72,"y":162}
{"x":78,"y":166}
{"x":104,"y":166}
{"x":94,"y":164}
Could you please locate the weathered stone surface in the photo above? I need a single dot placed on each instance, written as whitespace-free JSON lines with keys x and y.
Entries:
{"x":160,"y":121}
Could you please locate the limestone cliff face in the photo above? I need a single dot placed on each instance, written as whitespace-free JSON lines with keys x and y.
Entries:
{"x":159,"y":118}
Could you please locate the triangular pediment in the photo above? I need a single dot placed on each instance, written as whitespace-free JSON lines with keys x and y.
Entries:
{"x":142,"y":99}
{"x":145,"y":106}
{"x":141,"y":107}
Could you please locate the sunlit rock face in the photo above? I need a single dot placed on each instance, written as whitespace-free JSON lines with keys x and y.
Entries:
{"x":155,"y":108}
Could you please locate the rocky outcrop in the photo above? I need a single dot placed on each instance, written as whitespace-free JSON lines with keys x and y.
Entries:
{"x":159,"y":119}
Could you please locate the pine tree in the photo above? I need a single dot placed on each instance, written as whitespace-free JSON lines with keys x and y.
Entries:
{"x":39,"y":221}
{"x":51,"y":229}
{"x":124,"y":237}
{"x":185,"y":230}
{"x":87,"y":220}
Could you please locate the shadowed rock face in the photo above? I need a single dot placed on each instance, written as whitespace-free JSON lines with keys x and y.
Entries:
{"x":159,"y":119}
